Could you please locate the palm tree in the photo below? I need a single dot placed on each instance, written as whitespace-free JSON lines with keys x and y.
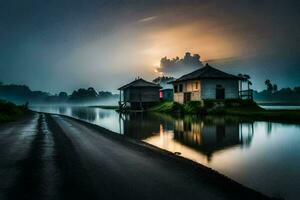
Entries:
{"x":275,"y":88}
{"x":267,"y":82}
{"x":269,"y":85}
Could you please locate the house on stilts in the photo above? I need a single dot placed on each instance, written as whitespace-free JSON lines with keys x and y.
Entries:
{"x":139,"y":95}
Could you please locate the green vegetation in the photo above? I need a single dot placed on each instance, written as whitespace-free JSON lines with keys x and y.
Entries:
{"x":9,"y":111}
{"x":167,"y":107}
{"x":193,"y":107}
{"x":206,"y":107}
{"x":246,"y":109}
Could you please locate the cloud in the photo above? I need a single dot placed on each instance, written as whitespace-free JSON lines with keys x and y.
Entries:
{"x":148,"y":19}
{"x":178,"y":65}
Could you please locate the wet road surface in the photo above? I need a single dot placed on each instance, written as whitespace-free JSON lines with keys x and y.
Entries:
{"x":53,"y":157}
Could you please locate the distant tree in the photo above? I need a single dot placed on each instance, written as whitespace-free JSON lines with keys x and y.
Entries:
{"x":104,"y":94}
{"x":92,"y":92}
{"x":63,"y":95}
{"x":267,"y":82}
{"x":269,"y":85}
{"x":163,"y":79}
{"x":83,"y":94}
{"x":275,"y":88}
{"x":297,"y":89}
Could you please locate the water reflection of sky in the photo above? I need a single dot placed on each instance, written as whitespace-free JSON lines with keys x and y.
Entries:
{"x":262,"y":155}
{"x":103,"y":117}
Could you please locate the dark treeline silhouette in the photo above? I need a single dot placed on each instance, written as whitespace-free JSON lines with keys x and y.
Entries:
{"x":163,"y":79}
{"x":21,"y":94}
{"x":273,"y":94}
{"x":84,"y":94}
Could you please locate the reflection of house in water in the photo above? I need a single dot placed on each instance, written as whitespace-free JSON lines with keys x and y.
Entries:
{"x":83,"y":113}
{"x":209,"y":138}
{"x":140,"y":125}
{"x":62,"y":110}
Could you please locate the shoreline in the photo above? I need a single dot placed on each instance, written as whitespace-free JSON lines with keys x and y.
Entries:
{"x":209,"y":174}
{"x":278,"y":103}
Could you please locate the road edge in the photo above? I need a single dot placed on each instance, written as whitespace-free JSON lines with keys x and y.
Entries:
{"x":215,"y":176}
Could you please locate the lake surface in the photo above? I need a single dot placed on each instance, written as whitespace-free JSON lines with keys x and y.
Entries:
{"x":261,"y":155}
{"x":281,"y":107}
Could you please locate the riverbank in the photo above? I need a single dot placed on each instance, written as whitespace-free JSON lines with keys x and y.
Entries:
{"x":10,"y":112}
{"x":241,"y":108}
{"x":268,"y":103}
{"x":124,"y":167}
{"x":282,"y":116}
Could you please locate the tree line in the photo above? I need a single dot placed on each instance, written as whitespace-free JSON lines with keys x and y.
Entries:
{"x":21,"y":94}
{"x":273,"y":94}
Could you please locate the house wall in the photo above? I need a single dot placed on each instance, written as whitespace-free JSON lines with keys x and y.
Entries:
{"x":167,"y":94}
{"x":144,"y":94}
{"x":208,"y":88}
{"x":192,"y":87}
{"x":178,"y":97}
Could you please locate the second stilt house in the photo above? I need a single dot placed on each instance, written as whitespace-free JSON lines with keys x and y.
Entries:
{"x":139,"y":94}
{"x":206,"y":83}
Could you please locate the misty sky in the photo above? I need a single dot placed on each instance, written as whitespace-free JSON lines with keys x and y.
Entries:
{"x":61,"y":45}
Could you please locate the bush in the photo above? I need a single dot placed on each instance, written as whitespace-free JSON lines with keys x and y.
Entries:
{"x":167,"y":107}
{"x":194,"y":107}
{"x":9,"y":111}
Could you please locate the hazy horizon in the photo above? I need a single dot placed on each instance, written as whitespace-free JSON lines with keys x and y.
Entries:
{"x":65,"y":45}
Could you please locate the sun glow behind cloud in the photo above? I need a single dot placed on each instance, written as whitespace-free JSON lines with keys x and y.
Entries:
{"x":136,"y":49}
{"x":194,"y":37}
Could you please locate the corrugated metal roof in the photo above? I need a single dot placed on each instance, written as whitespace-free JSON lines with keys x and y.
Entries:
{"x":207,"y":72}
{"x":139,"y":83}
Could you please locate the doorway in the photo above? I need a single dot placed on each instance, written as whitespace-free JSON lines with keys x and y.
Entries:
{"x":220,"y":92}
{"x":187,"y":97}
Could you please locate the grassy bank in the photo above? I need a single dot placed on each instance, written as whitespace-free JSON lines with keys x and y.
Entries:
{"x":10,"y":112}
{"x":242,"y":108}
{"x":170,"y":107}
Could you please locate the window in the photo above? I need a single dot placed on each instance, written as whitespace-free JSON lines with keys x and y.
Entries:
{"x":180,"y":87}
{"x":196,"y":85}
{"x":175,"y":88}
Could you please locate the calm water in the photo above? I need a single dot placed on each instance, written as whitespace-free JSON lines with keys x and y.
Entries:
{"x":261,"y":155}
{"x":281,"y":107}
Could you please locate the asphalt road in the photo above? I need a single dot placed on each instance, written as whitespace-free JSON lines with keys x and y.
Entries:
{"x":53,"y":157}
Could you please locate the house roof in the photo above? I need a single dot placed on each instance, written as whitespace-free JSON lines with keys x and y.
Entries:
{"x":207,"y":72}
{"x":139,"y":83}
